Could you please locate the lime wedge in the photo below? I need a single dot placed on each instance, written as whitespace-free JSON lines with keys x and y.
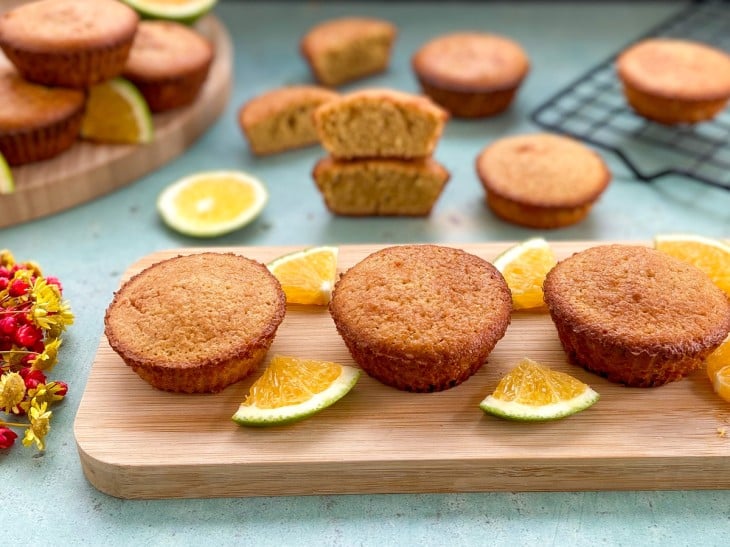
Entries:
{"x":7,"y":185}
{"x":117,"y":113}
{"x":183,"y":11}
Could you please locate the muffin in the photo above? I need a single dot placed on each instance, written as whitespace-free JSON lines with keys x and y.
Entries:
{"x":380,"y":186}
{"x":421,"y":317}
{"x":635,"y":315}
{"x":541,"y":180}
{"x":197,"y":323}
{"x":379,"y":123}
{"x":471,"y":74}
{"x":675,"y":81}
{"x":342,"y":50}
{"x":281,"y":119}
{"x":36,"y":122}
{"x":168,"y":63}
{"x":68,"y":43}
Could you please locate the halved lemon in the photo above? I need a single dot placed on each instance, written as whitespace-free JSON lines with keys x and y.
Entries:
{"x":212,"y":203}
{"x":532,"y":392}
{"x":7,"y":185}
{"x":718,"y":369}
{"x":292,"y":389}
{"x":524,"y":268}
{"x":184,"y":11}
{"x":712,"y":256}
{"x":117,"y":113}
{"x":308,"y":276}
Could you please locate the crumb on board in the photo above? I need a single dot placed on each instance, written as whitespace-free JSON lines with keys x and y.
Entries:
{"x":721,"y":432}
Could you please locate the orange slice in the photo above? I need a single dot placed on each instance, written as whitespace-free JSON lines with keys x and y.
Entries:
{"x":524,"y":268}
{"x":308,"y":276}
{"x":712,"y":256}
{"x":718,"y":369}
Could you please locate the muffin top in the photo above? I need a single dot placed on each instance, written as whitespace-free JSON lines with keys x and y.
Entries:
{"x":638,"y":298}
{"x":543,"y":170}
{"x":422,"y":301}
{"x":70,"y":25}
{"x":338,"y":33}
{"x":25,"y":105}
{"x":472,"y":61}
{"x":164,"y":49}
{"x":281,"y":99}
{"x":676,"y":69}
{"x":201,"y":308}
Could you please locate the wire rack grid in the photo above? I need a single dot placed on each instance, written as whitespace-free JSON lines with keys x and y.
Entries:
{"x":593,"y":109}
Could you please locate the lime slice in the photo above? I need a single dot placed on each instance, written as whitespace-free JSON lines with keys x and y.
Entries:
{"x":532,"y":392}
{"x":212,"y":203}
{"x":308,"y":276}
{"x":117,"y":113}
{"x":292,"y":389}
{"x":524,"y":268}
{"x":712,"y":256}
{"x":183,"y":11}
{"x":7,"y":185}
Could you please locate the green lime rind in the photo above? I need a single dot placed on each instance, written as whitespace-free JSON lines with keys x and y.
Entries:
{"x":139,"y":105}
{"x":7,"y":184}
{"x":520,"y":412}
{"x":252,"y":416}
{"x":507,"y":257}
{"x":186,"y":13}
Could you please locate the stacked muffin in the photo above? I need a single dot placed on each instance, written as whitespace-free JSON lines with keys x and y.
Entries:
{"x":58,"y":49}
{"x":380,"y":143}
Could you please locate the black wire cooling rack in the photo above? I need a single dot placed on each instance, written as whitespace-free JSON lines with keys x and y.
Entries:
{"x":593,"y":109}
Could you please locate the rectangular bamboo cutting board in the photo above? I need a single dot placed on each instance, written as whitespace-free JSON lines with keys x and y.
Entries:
{"x":137,"y":442}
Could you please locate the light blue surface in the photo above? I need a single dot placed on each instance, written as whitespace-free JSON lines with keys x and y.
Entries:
{"x":45,"y":498}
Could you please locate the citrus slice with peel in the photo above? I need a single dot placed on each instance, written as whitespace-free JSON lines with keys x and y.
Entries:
{"x":212,"y":203}
{"x":524,"y":268}
{"x":308,"y":276}
{"x":718,"y":369}
{"x":532,"y":392}
{"x":712,"y":256}
{"x":292,"y":389}
{"x":7,"y":185}
{"x":183,"y":11}
{"x":117,"y":113}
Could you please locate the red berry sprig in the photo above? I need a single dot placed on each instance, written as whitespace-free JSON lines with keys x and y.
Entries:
{"x":33,"y":315}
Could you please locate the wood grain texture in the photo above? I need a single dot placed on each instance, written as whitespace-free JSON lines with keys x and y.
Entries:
{"x":88,"y":170}
{"x":137,"y":442}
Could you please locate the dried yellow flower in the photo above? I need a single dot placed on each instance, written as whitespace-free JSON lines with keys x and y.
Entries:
{"x":40,"y":425}
{"x":49,"y":357}
{"x":12,"y":391}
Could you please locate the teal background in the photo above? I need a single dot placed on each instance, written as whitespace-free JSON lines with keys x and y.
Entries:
{"x":45,"y":498}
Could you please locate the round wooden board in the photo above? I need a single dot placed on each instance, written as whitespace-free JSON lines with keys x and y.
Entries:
{"x":87,"y":170}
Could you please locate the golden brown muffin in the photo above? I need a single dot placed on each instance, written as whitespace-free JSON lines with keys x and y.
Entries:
{"x":379,"y":123}
{"x":541,"y":180}
{"x":342,"y":50}
{"x":380,"y":186}
{"x":36,"y":122}
{"x":471,"y":74}
{"x":168,"y":63}
{"x":635,"y":315}
{"x":68,"y":43}
{"x":281,"y":119}
{"x":421,"y":317}
{"x":675,"y":81}
{"x":197,"y":323}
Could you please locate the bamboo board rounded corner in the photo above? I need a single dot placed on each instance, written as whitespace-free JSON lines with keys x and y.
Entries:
{"x":87,"y":171}
{"x":381,"y":440}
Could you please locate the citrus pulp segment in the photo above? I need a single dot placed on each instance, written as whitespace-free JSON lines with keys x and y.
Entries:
{"x":718,"y":369}
{"x":531,"y":392}
{"x":292,"y":389}
{"x":524,"y":268}
{"x":117,"y":113}
{"x":183,"y":11}
{"x":712,"y":256}
{"x":7,"y":184}
{"x":212,"y":203}
{"x":308,"y":276}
